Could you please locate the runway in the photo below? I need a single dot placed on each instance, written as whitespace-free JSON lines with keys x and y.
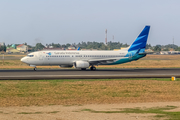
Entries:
{"x":88,"y":74}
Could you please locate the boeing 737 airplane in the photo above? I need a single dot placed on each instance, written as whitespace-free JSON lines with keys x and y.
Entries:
{"x":85,"y":59}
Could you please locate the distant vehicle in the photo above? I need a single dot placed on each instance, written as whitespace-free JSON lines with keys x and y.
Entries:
{"x":85,"y":59}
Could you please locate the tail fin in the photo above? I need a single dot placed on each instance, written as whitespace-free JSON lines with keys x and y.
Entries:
{"x":141,"y":40}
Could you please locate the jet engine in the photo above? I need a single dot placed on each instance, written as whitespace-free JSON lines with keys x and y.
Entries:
{"x":81,"y":64}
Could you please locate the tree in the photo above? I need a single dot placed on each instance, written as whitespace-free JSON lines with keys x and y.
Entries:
{"x":148,"y":46}
{"x":38,"y":46}
{"x":67,"y":45}
{"x":166,"y":49}
{"x":3,"y":48}
{"x":157,"y":48}
{"x":177,"y":49}
{"x":9,"y":45}
{"x":171,"y":46}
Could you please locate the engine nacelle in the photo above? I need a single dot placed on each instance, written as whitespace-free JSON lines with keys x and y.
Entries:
{"x":81,"y":64}
{"x":65,"y":66}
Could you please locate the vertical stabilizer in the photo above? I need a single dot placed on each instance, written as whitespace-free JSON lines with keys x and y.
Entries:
{"x":141,"y":40}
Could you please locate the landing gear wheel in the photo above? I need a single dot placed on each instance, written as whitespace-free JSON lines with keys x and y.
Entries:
{"x":93,"y":68}
{"x":83,"y":68}
{"x":35,"y":69}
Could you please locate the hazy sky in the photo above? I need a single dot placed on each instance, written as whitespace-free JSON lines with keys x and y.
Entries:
{"x":73,"y":21}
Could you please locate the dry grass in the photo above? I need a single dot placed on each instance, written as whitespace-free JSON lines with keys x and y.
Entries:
{"x":147,"y":64}
{"x":161,"y":57}
{"x":16,"y":55}
{"x":150,"y":61}
{"x":56,"y":92}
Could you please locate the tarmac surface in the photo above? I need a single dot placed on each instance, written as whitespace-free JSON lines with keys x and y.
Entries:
{"x":87,"y":74}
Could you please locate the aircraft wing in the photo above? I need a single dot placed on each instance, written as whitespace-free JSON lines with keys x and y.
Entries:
{"x":109,"y":60}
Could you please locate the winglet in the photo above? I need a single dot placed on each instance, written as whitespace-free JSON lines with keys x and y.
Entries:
{"x":78,"y":48}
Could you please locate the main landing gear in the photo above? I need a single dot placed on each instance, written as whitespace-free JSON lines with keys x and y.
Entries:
{"x":35,"y":69}
{"x":92,"y":68}
{"x":83,"y":68}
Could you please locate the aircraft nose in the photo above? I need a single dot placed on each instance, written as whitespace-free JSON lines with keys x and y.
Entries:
{"x":24,"y":60}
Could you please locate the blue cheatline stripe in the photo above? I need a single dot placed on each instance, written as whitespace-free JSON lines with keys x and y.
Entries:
{"x":141,"y":40}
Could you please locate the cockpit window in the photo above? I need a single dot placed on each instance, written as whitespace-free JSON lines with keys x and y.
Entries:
{"x":30,"y":55}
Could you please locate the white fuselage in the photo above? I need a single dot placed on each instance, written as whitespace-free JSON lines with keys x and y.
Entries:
{"x":67,"y":57}
{"x":84,"y":59}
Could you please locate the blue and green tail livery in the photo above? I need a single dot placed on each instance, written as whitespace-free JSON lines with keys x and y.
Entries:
{"x":141,"y":40}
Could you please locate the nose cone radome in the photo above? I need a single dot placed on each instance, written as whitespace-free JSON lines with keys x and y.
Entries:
{"x":24,"y":59}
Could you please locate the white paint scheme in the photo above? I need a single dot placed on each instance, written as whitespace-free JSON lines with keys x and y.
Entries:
{"x":84,"y":59}
{"x":65,"y":57}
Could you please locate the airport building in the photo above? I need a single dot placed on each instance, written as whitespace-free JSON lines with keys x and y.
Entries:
{"x":22,"y":48}
{"x":12,"y":50}
{"x":17,"y":49}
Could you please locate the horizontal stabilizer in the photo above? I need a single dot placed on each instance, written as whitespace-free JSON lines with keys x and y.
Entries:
{"x":144,"y":53}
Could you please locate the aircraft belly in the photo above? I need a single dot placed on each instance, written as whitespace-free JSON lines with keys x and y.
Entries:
{"x":58,"y":61}
{"x":36,"y":62}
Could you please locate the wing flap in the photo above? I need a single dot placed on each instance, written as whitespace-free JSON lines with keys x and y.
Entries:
{"x":109,"y":60}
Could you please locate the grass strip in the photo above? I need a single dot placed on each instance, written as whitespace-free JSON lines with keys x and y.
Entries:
{"x":161,"y":113}
{"x":87,"y":91}
{"x":53,"y":112}
{"x":30,"y":113}
{"x":75,"y":80}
